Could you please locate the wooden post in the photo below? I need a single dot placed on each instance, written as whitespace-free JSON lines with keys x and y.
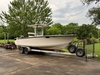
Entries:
{"x":93,"y":49}
{"x":4,"y":38}
{"x":84,"y":44}
{"x":7,"y":37}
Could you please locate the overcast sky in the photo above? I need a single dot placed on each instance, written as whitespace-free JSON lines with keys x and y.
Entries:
{"x":64,"y":11}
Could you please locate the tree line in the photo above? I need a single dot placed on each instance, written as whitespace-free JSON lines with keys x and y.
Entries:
{"x":83,"y":31}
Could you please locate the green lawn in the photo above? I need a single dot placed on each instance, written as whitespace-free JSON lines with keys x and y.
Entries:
{"x":97,"y":50}
{"x":3,"y":41}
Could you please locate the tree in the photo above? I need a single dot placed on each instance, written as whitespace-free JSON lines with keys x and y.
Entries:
{"x":53,"y":31}
{"x":90,"y":1}
{"x":87,"y":31}
{"x":63,"y":31}
{"x":73,"y":24}
{"x":71,"y":28}
{"x":3,"y":31}
{"x":60,"y":27}
{"x":93,"y":13}
{"x":99,"y":33}
{"x":26,"y":12}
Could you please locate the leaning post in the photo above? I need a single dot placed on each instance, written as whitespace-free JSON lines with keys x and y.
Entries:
{"x":84,"y":44}
{"x":93,"y":49}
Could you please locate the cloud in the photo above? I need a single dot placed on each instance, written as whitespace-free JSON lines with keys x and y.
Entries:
{"x":64,"y":11}
{"x":4,"y":5}
{"x":57,"y":4}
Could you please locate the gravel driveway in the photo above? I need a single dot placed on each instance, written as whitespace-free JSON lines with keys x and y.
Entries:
{"x":14,"y":63}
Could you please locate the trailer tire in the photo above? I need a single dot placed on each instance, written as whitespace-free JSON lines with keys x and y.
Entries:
{"x":26,"y":50}
{"x":21,"y":50}
{"x":80,"y":52}
{"x":72,"y":48}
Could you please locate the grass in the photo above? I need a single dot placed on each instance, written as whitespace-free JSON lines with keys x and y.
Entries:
{"x":97,"y":50}
{"x":3,"y":41}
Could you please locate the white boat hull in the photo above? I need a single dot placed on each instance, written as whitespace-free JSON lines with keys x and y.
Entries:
{"x":45,"y":42}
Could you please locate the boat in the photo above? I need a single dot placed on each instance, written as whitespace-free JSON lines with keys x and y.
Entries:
{"x":45,"y":42}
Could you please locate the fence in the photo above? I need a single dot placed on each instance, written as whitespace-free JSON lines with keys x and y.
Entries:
{"x":92,"y":50}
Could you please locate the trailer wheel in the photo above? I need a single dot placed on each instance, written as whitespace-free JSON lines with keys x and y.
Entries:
{"x":21,"y":50}
{"x":72,"y":48}
{"x":26,"y":50}
{"x":80,"y":52}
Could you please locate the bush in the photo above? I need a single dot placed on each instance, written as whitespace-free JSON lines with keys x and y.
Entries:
{"x":99,"y":40}
{"x":92,"y":40}
{"x":96,"y":40}
{"x":89,"y":40}
{"x":75,"y":40}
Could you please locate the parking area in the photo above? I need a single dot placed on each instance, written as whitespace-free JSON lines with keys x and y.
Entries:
{"x":14,"y":63}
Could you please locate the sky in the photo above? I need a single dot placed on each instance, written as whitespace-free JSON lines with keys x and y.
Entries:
{"x":64,"y":11}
